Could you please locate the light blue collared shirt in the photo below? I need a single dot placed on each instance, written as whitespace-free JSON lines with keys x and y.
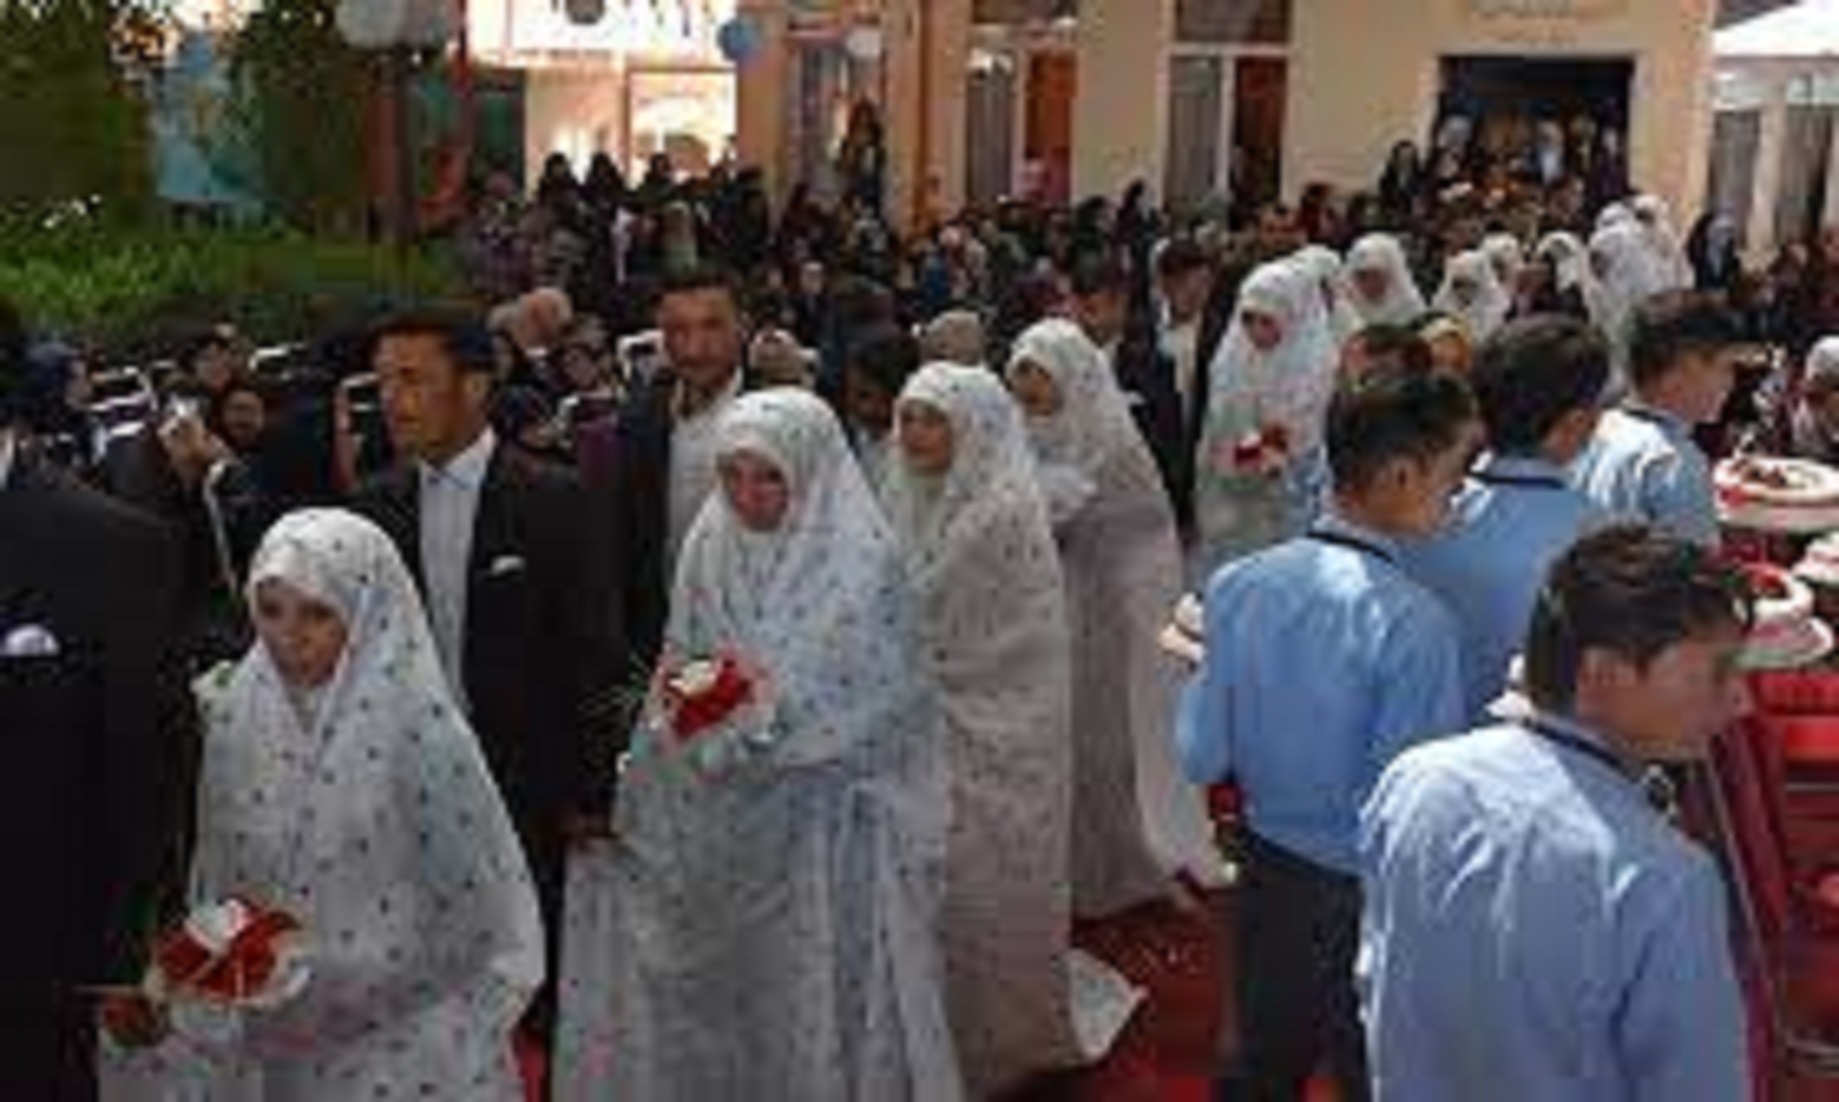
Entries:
{"x":1323,"y":661}
{"x":1644,"y":465}
{"x":1534,"y":931}
{"x":1513,"y":517}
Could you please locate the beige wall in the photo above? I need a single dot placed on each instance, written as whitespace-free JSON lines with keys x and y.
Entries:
{"x":559,"y":102}
{"x":1359,"y":82}
{"x":1120,"y":115}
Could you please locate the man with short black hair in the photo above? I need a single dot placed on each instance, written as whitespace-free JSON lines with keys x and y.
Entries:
{"x":1643,"y":463}
{"x":665,"y":466}
{"x":1533,"y":929}
{"x":1537,"y":382}
{"x":515,"y":570}
{"x":1380,"y":656}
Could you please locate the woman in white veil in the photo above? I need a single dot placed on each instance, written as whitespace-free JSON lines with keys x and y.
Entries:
{"x":1135,"y":821}
{"x":1275,"y":370}
{"x":764,"y":926}
{"x":1472,"y":294}
{"x":965,"y":504}
{"x":360,"y":803}
{"x":1624,"y":274}
{"x":1325,"y":265}
{"x":1381,"y":286}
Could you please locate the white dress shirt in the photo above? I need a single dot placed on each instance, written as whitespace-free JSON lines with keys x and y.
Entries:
{"x":449,"y":506}
{"x":692,"y":466}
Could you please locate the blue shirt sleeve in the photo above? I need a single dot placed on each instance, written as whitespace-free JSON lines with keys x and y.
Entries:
{"x":1682,"y":1033}
{"x":1203,"y":725}
{"x":1677,"y":495}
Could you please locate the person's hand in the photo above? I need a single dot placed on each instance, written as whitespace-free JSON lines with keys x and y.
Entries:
{"x":192,"y":448}
{"x":133,"y":1020}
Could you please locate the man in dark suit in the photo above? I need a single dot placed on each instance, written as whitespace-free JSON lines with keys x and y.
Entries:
{"x":93,"y":708}
{"x":516,"y":573}
{"x":665,"y":462}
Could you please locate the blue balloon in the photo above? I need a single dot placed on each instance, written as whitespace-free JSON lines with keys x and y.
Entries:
{"x":739,"y":39}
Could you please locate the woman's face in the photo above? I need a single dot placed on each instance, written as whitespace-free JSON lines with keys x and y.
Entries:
{"x":303,"y":635}
{"x":1034,"y":389}
{"x":1264,"y":330}
{"x":926,"y":438}
{"x":1372,"y":283}
{"x":756,"y":490}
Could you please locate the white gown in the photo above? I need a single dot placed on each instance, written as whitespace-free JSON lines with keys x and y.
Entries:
{"x":370,"y":815}
{"x":1135,"y":821}
{"x":764,"y":925}
{"x":982,"y":557}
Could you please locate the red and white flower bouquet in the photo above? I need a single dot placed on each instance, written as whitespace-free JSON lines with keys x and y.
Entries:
{"x":1260,"y":452}
{"x":716,"y":709}
{"x":232,"y":954}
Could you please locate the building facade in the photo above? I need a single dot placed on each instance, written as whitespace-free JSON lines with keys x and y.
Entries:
{"x":984,"y":98}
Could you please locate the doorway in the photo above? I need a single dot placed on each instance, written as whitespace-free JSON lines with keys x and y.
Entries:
{"x":1506,"y":98}
{"x":1225,"y":136}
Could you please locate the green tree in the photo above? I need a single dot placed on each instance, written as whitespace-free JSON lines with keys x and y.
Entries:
{"x":302,"y":95}
{"x":73,"y":123}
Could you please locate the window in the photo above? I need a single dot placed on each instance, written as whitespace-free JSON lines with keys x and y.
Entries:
{"x":1233,"y":22}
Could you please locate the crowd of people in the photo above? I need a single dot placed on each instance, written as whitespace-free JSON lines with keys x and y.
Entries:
{"x":410,"y":632}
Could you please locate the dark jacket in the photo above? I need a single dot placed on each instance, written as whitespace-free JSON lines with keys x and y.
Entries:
{"x":544,"y":646}
{"x":97,"y":725}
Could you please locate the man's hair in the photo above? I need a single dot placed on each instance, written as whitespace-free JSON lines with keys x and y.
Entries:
{"x":1533,"y":372}
{"x":1395,"y":348}
{"x":1389,"y":414}
{"x":461,"y":333}
{"x":12,"y":360}
{"x":1180,"y":256}
{"x":1097,"y":273}
{"x":1632,"y":590}
{"x":697,"y":278}
{"x":1675,"y":324}
{"x":886,"y":354}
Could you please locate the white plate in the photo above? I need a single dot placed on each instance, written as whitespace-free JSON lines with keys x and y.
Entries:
{"x":1814,"y":643}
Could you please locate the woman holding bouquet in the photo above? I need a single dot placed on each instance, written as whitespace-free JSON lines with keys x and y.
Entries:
{"x":343,"y":787}
{"x":764,"y":925}
{"x":1135,"y":822}
{"x":1271,"y":381}
{"x":966,"y":507}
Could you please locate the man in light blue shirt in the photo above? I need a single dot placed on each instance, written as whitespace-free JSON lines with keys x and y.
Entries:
{"x":1323,"y":660}
{"x":1533,"y":929}
{"x":1537,"y":383}
{"x":1643,"y":463}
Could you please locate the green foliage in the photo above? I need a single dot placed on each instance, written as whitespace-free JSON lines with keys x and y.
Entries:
{"x":72,"y":121}
{"x":129,"y":290}
{"x":302,"y":94}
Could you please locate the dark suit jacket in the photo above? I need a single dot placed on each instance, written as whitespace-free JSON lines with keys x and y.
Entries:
{"x":93,"y":791}
{"x":544,"y":646}
{"x":641,"y":512}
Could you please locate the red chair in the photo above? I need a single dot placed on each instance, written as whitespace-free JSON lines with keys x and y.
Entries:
{"x":1789,"y":948}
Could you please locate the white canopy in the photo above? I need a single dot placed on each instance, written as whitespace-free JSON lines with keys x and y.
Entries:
{"x":1808,"y":29}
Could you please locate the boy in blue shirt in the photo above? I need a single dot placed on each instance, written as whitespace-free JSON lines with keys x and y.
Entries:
{"x":1537,"y":383}
{"x":1533,"y":928}
{"x":1324,"y":660}
{"x":1643,"y":463}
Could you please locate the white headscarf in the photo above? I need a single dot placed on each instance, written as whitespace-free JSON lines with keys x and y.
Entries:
{"x":1568,"y":258}
{"x":1672,"y":267}
{"x":1823,"y":360}
{"x":1623,"y":275}
{"x":1403,"y":302}
{"x":983,"y":559}
{"x":1487,"y":308}
{"x":1507,"y":255}
{"x":1324,"y":265}
{"x":1289,"y":385}
{"x":1092,"y":428}
{"x":824,"y":590}
{"x":374,"y":820}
